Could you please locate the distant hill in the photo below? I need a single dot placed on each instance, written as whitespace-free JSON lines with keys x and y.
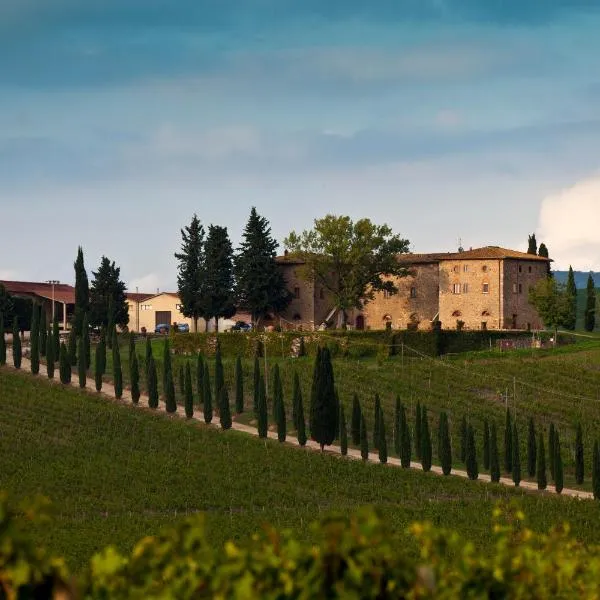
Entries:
{"x":581,"y":278}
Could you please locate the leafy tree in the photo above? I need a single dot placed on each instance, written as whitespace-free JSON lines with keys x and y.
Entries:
{"x":508,"y":443}
{"x":64,"y":365}
{"x":425,"y":441}
{"x":376,"y":421}
{"x":382,"y":439}
{"x":516,"y":459}
{"x":260,"y":286}
{"x":134,"y":376}
{"x":82,"y":293}
{"x":551,"y":453}
{"x":542,"y":482}
{"x":579,"y":469}
{"x":296,"y":397}
{"x":263,"y":424}
{"x":17,"y":351}
{"x":572,"y":301}
{"x":444,"y":445}
{"x":398,"y":427}
{"x":72,"y":347}
{"x":406,"y":441}
{"x":532,"y":245}
{"x":471,"y":460}
{"x":418,"y":430}
{"x":596,"y":471}
{"x":494,"y":457}
{"x":224,"y":408}
{"x":152,"y":379}
{"x":343,"y":432}
{"x":43,"y":332}
{"x":239,"y":386}
{"x":543,"y":251}
{"x":168,"y":385}
{"x":355,"y":422}
{"x":200,"y":377}
{"x":2,"y":341}
{"x":100,"y":363}
{"x":300,"y":425}
{"x":463,"y":439}
{"x":256,"y":386}
{"x":208,"y":410}
{"x":552,"y":302}
{"x":7,"y":305}
{"x":56,"y":338}
{"x":364,"y":441}
{"x":323,"y":409}
{"x":280,"y":416}
{"x":49,"y":355}
{"x":34,"y":339}
{"x":363,"y":256}
{"x":486,"y":445}
{"x":190,"y":271}
{"x":117,"y":370}
{"x":558,"y":465}
{"x":531,"y":449}
{"x":590,"y":305}
{"x":188,"y":392}
{"x":81,"y":363}
{"x":107,"y":286}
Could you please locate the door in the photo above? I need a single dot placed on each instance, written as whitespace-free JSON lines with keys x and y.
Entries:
{"x":162,"y":317}
{"x":360,"y":322}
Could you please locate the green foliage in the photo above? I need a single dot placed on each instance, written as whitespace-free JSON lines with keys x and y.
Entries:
{"x":152,"y":382}
{"x":543,"y":251}
{"x":207,"y":408}
{"x":43,"y":332}
{"x":17,"y":351}
{"x":262,"y":417}
{"x":64,"y":365}
{"x":225,"y":408}
{"x":256,"y":384}
{"x":239,"y":386}
{"x":219,"y":376}
{"x":383,"y":453}
{"x":571,"y":291}
{"x":277,"y":391}
{"x":85,"y":331}
{"x":2,"y":341}
{"x":542,"y":481}
{"x":444,"y":445}
{"x":531,"y":449}
{"x":397,"y":426}
{"x":486,"y":445}
{"x":56,"y":338}
{"x":117,"y":370}
{"x":596,"y":470}
{"x":579,"y":466}
{"x":110,"y":326}
{"x":558,"y":465}
{"x":49,"y":355}
{"x":81,"y":364}
{"x":406,"y":441}
{"x":72,"y":347}
{"x":590,"y":305}
{"x":508,"y":443}
{"x":280,"y":416}
{"x":494,"y":455}
{"x":516,"y":458}
{"x":181,"y":380}
{"x":376,"y":421}
{"x":200,"y":377}
{"x":532,"y":245}
{"x":364,"y":440}
{"x":34,"y":339}
{"x":426,"y":450}
{"x":82,"y":293}
{"x":471,"y":460}
{"x":343,"y":432}
{"x":355,"y":421}
{"x":463,"y":439}
{"x":134,"y":377}
{"x":296,"y":395}
{"x":418,"y":430}
{"x":108,"y":303}
{"x":323,"y":409}
{"x":551,"y":450}
{"x":100,"y":363}
{"x":168,"y":385}
{"x":552,"y":302}
{"x":300,"y":421}
{"x":188,"y":392}
{"x":301,"y":348}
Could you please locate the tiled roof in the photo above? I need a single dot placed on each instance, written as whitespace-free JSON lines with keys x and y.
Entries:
{"x":138,"y":297}
{"x":485,"y":253}
{"x":62,"y":292}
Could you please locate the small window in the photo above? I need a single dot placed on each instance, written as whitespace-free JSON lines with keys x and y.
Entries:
{"x":146,"y":306}
{"x":483,"y":325}
{"x":456,"y":288}
{"x":456,"y":268}
{"x":514,"y":288}
{"x":179,"y":307}
{"x":413,"y":292}
{"x":484,"y":268}
{"x":457,"y":313}
{"x":465,"y":288}
{"x":485,"y":313}
{"x":296,"y":292}
{"x":520,"y":288}
{"x":529,"y":268}
{"x":520,"y":269}
{"x":386,"y":294}
{"x":486,"y":288}
{"x":465,"y":268}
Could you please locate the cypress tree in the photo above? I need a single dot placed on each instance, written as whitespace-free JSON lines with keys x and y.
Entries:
{"x":558,"y":465}
{"x":300,"y":425}
{"x":43,"y":336}
{"x":219,"y":376}
{"x":542,"y":482}
{"x":343,"y":432}
{"x":81,"y":370}
{"x":444,"y":446}
{"x":590,"y":305}
{"x":494,"y":457}
{"x":463,"y":439}
{"x":425,"y":441}
{"x":263,"y":425}
{"x":277,"y":393}
{"x":34,"y":339}
{"x":224,"y":408}
{"x":87,"y":344}
{"x":82,"y":294}
{"x":531,"y":449}
{"x":239,"y":386}
{"x":131,"y":339}
{"x":181,"y":380}
{"x":134,"y":377}
{"x":189,"y":392}
{"x":418,"y":429}
{"x":508,"y":443}
{"x":579,"y":468}
{"x":72,"y":347}
{"x":152,"y":380}
{"x":49,"y":355}
{"x":117,"y":370}
{"x":100,"y":363}
{"x":65,"y":365}
{"x":110,"y":325}
{"x":168,"y":385}
{"x":551,"y":440}
{"x":16,"y":344}
{"x":2,"y":342}
{"x":406,"y":441}
{"x":323,"y":406}
{"x":486,"y":445}
{"x":256,"y":384}
{"x":355,"y":422}
{"x":200,"y":377}
{"x":516,"y":459}
{"x":397,"y":427}
{"x":208,"y":410}
{"x":471,"y":460}
{"x":56,"y":339}
{"x":571,"y":292}
{"x":383,"y":454}
{"x":364,"y":441}
{"x":301,"y":348}
{"x":337,"y":412}
{"x":281,"y":417}
{"x":596,"y":471}
{"x":376,"y":421}
{"x":296,"y":398}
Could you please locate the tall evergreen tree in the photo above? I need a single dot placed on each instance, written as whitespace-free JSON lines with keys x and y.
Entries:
{"x":200,"y":377}
{"x":100,"y":363}
{"x":190,"y":272}
{"x":532,"y":245}
{"x":494,"y":457}
{"x":531,"y":449}
{"x":444,"y":445}
{"x":152,"y":380}
{"x":471,"y":460}
{"x":558,"y":465}
{"x":382,"y":440}
{"x":168,"y":385}
{"x":300,"y":421}
{"x":418,"y":429}
{"x":376,"y":421}
{"x":64,"y":365}
{"x":134,"y":377}
{"x":50,"y":355}
{"x":82,"y":293}
{"x":56,"y":339}
{"x":208,"y":409}
{"x":596,"y":471}
{"x":131,"y":340}
{"x":81,"y":363}
{"x":117,"y":369}
{"x":281,"y":419}
{"x":590,"y":305}
{"x":425,"y":441}
{"x":543,"y":251}
{"x":87,"y":344}
{"x":406,"y":441}
{"x":263,"y":423}
{"x":260,"y":286}
{"x":464,"y":430}
{"x":189,"y":392}
{"x":34,"y":338}
{"x":239,"y":386}
{"x":108,"y":302}
{"x":219,"y":375}
{"x":516,"y":458}
{"x":323,"y":409}
{"x":43,"y":335}
{"x":110,"y":326}
{"x":542,"y":482}
{"x":277,"y":393}
{"x":17,"y":351}
{"x":579,"y":468}
{"x":486,"y":445}
{"x":355,"y":422}
{"x":256,"y":384}
{"x":72,"y":347}
{"x":2,"y":342}
{"x":343,"y":432}
{"x":551,"y":454}
{"x":571,"y":320}
{"x":364,"y":440}
{"x":508,"y":443}
{"x":296,"y":397}
{"x":224,"y":408}
{"x":181,"y":380}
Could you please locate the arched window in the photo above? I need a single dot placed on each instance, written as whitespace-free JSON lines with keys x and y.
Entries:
{"x":485,"y":313}
{"x":457,"y":313}
{"x":387,"y":318}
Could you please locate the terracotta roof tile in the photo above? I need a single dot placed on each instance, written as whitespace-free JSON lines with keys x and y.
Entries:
{"x":62,"y":292}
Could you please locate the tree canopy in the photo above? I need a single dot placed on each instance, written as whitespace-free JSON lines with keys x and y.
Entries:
{"x":82,"y":292}
{"x":552,"y":302}
{"x":107,"y":286}
{"x":590,"y":304}
{"x":532,"y":245}
{"x":351,"y":260}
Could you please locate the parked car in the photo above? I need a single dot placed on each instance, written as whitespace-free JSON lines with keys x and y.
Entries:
{"x":165,"y":328}
{"x":242,"y":326}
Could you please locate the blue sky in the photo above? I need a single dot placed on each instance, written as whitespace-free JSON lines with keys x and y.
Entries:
{"x":446,"y":119}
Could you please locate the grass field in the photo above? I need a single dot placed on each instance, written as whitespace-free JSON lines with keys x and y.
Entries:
{"x":116,"y":474}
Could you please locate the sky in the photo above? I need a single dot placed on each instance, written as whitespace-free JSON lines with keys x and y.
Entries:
{"x":449,"y":120}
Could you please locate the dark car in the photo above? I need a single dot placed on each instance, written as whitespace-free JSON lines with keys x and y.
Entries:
{"x":165,"y":328}
{"x":242,"y":326}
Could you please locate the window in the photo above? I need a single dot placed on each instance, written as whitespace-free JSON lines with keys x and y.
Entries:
{"x":456,"y":268}
{"x":485,"y":313}
{"x":465,"y":288}
{"x":529,"y":268}
{"x":457,"y":313}
{"x":465,"y":268}
{"x":146,"y":307}
{"x":484,"y":268}
{"x":520,"y":288}
{"x":520,"y":269}
{"x":483,"y":325}
{"x":486,"y":288}
{"x":386,"y":294}
{"x":413,"y":292}
{"x":514,"y":288}
{"x":179,"y":307}
{"x":296,"y":292}
{"x":456,"y":288}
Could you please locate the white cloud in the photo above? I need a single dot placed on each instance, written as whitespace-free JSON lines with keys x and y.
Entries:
{"x":568,"y":224}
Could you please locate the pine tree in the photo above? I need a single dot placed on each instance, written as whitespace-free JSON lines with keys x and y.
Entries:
{"x":406,"y":441}
{"x":224,"y":408}
{"x":463,"y":439}
{"x":516,"y":458}
{"x":590,"y":305}
{"x":418,"y":429}
{"x":531,"y":449}
{"x":300,"y":425}
{"x":110,"y":325}
{"x":87,"y":344}
{"x":49,"y":354}
{"x":551,"y":440}
{"x":200,"y":377}
{"x":81,"y":363}
{"x":486,"y":445}
{"x":383,"y":453}
{"x":152,"y":380}
{"x":34,"y":339}
{"x":355,"y":423}
{"x":397,"y":427}
{"x":72,"y":347}
{"x":56,"y":339}
{"x":82,"y":293}
{"x":323,"y":409}
{"x":571,"y":291}
{"x":100,"y":363}
{"x":134,"y":377}
{"x":43,"y":335}
{"x":532,"y":245}
{"x":2,"y":342}
{"x":263,"y":424}
{"x":596,"y":471}
{"x":558,"y":465}
{"x":542,"y":482}
{"x":117,"y":370}
{"x":239,"y":386}
{"x":16,"y":344}
{"x":65,"y":365}
{"x":208,"y":410}
{"x":376,"y":421}
{"x":494,"y":457}
{"x":364,"y":441}
{"x":219,"y":375}
{"x":444,"y":445}
{"x":471,"y":459}
{"x":343,"y":432}
{"x":256,"y":384}
{"x":508,"y":443}
{"x":281,"y":418}
{"x":579,"y":468}
{"x":168,"y":385}
{"x":296,"y":397}
{"x":426,"y":451}
{"x":108,"y":301}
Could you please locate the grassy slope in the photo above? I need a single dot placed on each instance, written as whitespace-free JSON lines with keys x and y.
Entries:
{"x":116,"y":474}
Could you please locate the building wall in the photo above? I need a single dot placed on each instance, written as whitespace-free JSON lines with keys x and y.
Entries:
{"x":518,"y":277}
{"x":300,"y":312}
{"x":162,"y":302}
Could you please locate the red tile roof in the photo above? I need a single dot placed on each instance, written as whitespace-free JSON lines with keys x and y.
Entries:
{"x":62,"y":292}
{"x":138,"y":297}
{"x":485,"y":253}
